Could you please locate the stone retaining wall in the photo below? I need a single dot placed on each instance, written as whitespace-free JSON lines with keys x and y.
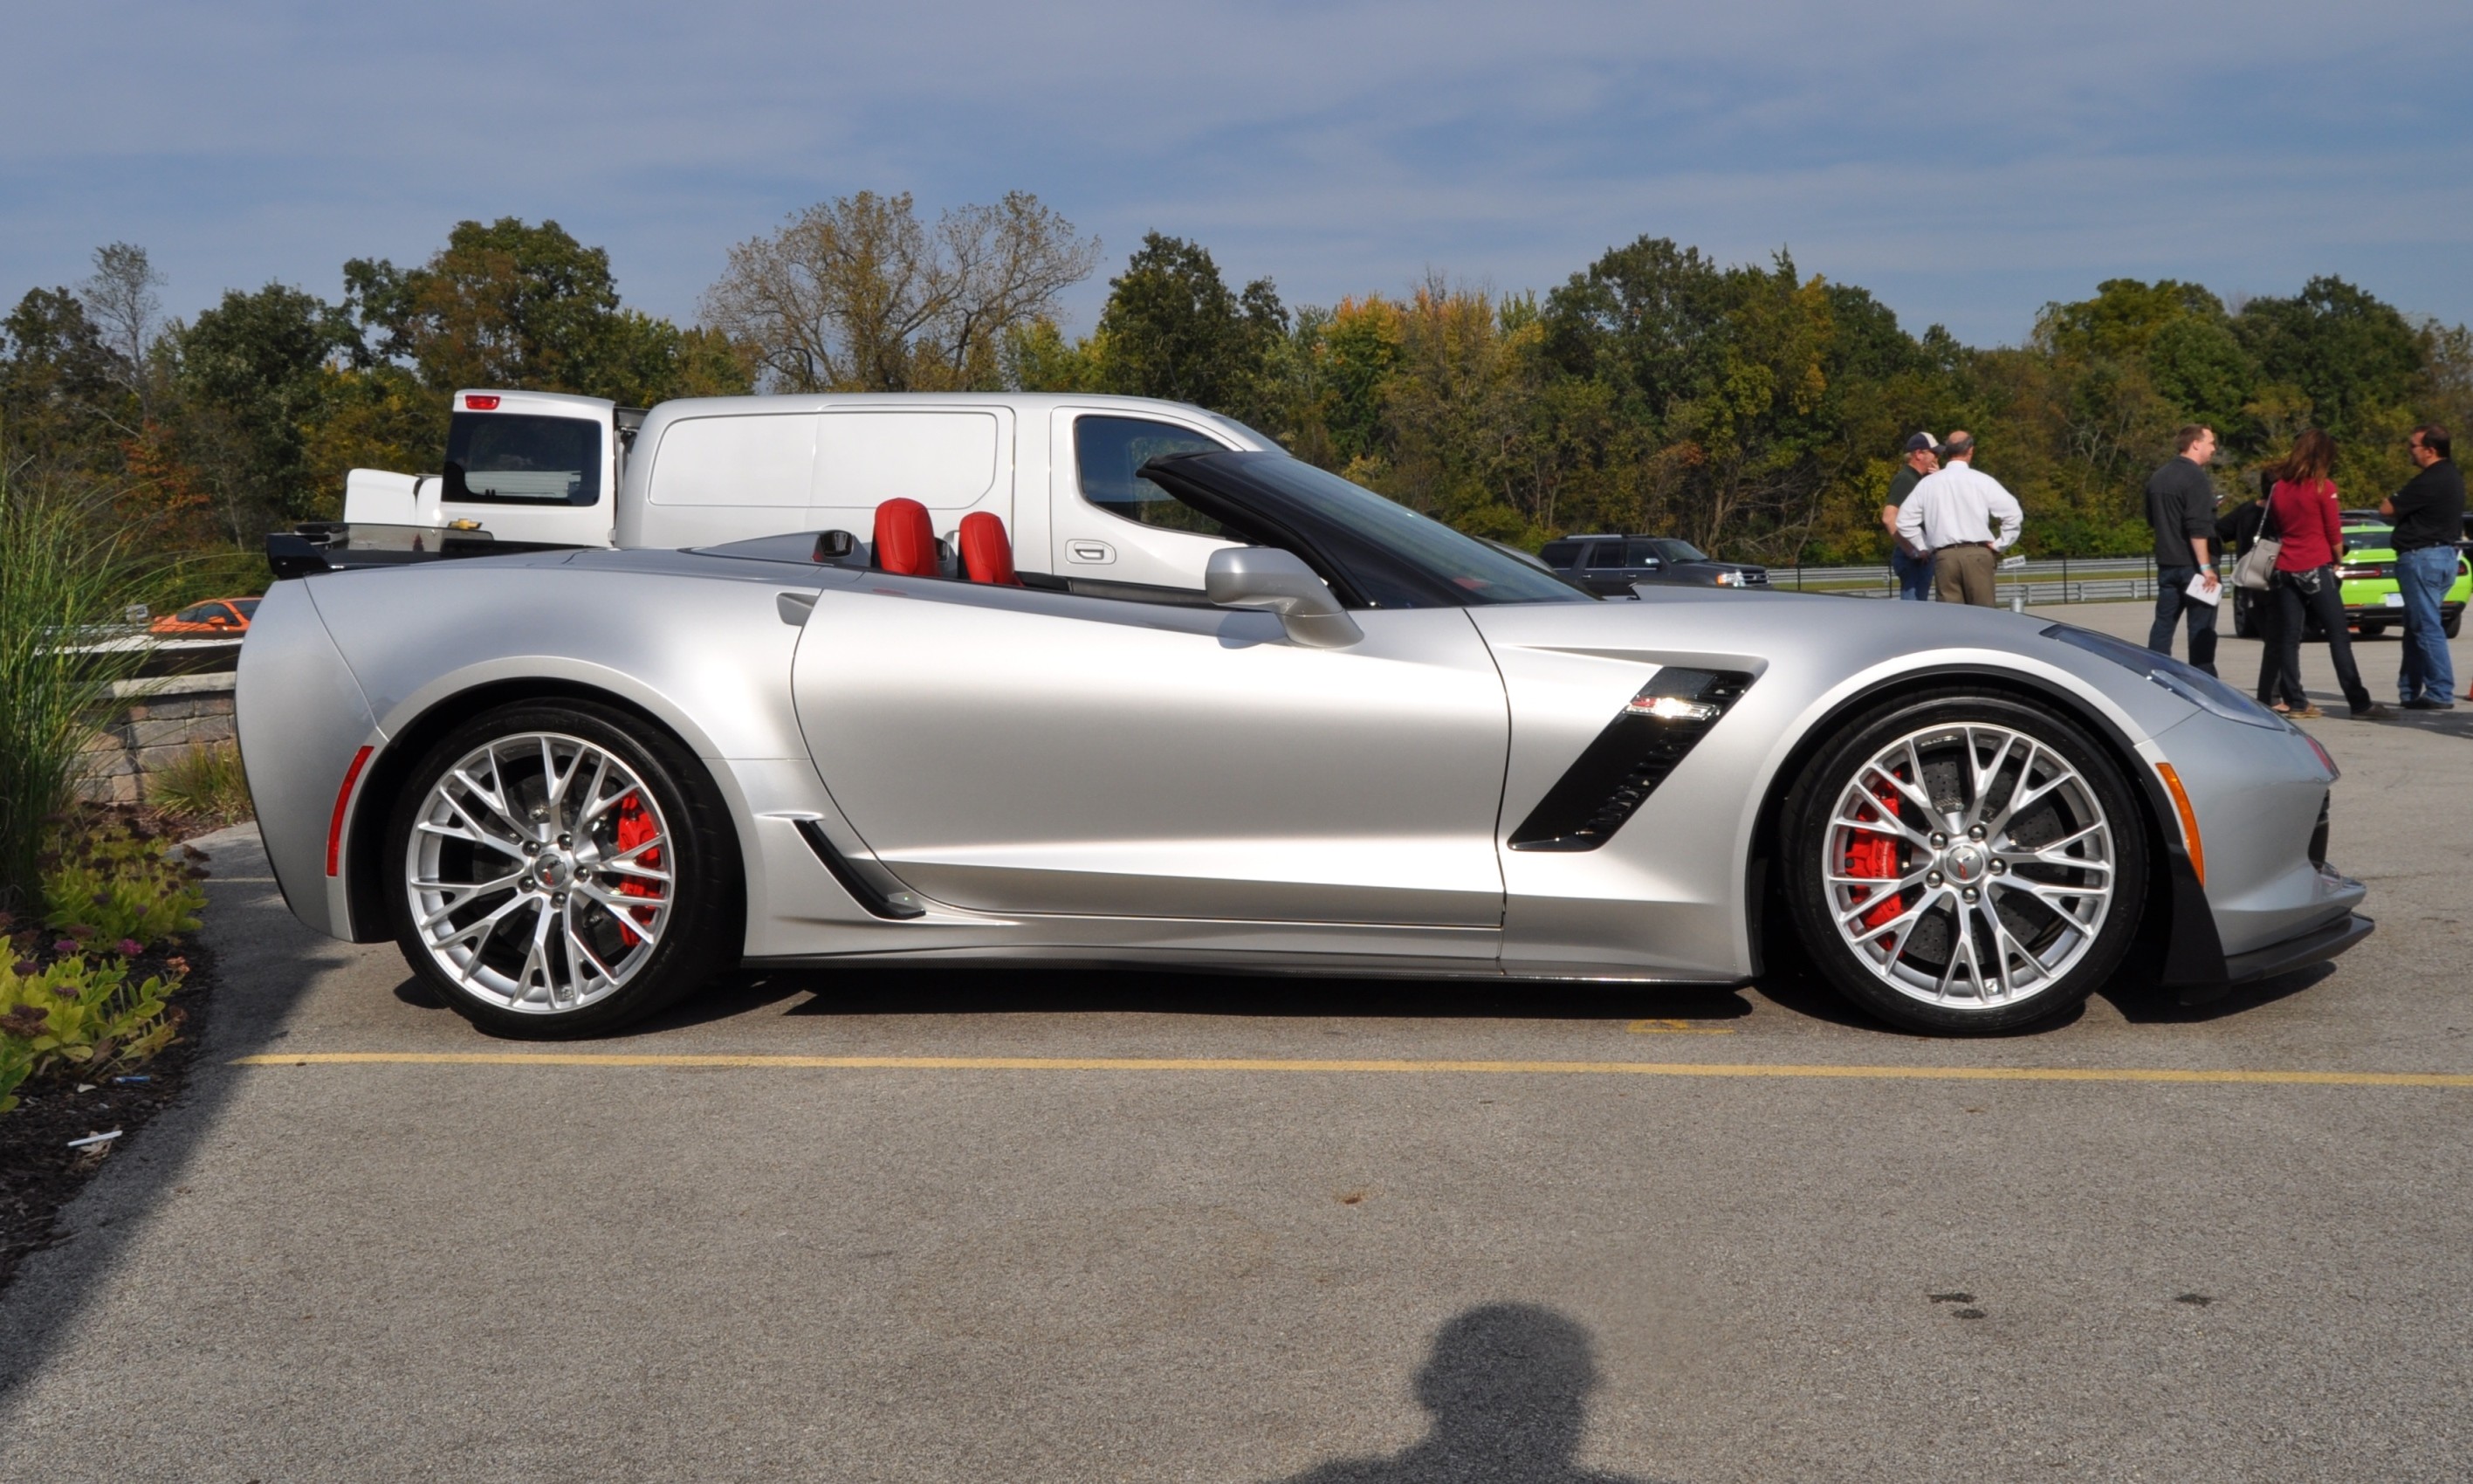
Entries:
{"x":158,"y":722}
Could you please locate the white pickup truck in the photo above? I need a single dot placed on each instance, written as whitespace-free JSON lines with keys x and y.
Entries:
{"x":526,"y":470}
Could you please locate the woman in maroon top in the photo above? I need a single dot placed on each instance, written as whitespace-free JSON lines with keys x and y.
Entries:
{"x":2303,"y":510}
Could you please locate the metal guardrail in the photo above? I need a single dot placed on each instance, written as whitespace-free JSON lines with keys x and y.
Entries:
{"x":2061,"y":580}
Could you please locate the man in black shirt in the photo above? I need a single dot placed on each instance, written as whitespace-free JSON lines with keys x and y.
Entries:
{"x":2429,"y":516}
{"x":2181,"y":506}
{"x":1914,"y":568}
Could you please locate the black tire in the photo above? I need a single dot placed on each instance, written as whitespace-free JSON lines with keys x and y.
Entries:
{"x":2245,"y":615}
{"x":2450,"y":623}
{"x":666,"y":938}
{"x":2074,"y":948}
{"x":2370,"y":631}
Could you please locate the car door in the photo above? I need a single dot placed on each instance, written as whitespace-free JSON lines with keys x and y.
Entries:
{"x":1106,"y":524}
{"x":1601,"y":569}
{"x":1026,"y":752}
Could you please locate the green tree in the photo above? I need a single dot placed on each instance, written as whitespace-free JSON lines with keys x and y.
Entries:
{"x":1172,"y":328}
{"x":64,"y":393}
{"x":252,"y":374}
{"x":511,"y":304}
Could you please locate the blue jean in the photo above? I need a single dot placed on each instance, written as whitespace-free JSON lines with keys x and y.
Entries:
{"x":2424,"y":577}
{"x":1914,"y":575}
{"x":2171,"y":600}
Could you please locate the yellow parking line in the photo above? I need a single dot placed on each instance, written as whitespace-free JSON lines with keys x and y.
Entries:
{"x":2270,"y":1077}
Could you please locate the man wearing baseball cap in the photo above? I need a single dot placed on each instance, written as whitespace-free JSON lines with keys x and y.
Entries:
{"x":1913,"y":565}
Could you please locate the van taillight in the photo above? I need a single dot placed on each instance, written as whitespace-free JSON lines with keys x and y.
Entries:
{"x":482,"y":403}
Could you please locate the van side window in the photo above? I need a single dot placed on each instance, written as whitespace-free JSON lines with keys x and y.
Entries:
{"x":1106,"y":452}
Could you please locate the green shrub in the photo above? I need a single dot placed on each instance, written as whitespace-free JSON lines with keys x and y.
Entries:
{"x":16,"y":1060}
{"x":80,"y":1011}
{"x":205,"y":784}
{"x":105,"y":884}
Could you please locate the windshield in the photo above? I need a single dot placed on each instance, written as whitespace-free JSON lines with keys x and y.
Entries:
{"x":2369,"y":537}
{"x":1680,"y":551}
{"x":1378,"y":554}
{"x":512,"y":459}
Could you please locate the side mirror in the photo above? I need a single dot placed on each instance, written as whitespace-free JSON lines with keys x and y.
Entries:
{"x":1279,"y":581}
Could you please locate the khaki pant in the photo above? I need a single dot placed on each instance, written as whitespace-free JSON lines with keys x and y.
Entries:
{"x":1963,"y":574}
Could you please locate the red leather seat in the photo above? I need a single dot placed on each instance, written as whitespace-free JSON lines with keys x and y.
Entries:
{"x":987,"y":554}
{"x":906,"y":541}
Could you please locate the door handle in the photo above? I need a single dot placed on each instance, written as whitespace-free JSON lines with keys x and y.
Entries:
{"x":1092,"y":552}
{"x":794,"y":608}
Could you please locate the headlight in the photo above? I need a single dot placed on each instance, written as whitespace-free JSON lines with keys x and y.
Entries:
{"x":2192,"y":684}
{"x":1730,"y":579}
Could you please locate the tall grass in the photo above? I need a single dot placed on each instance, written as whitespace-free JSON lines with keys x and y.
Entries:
{"x":61,"y":570}
{"x":205,"y":784}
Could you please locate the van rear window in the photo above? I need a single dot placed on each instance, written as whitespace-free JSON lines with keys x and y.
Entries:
{"x":516,"y":459}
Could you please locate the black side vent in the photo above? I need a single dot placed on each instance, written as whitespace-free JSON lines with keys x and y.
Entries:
{"x":2319,"y":837}
{"x":895,"y":906}
{"x":1618,"y":772}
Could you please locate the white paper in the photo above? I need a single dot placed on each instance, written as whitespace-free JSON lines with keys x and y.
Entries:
{"x":2198,"y":589}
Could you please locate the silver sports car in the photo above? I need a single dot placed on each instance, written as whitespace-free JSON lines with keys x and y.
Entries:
{"x":575,"y":785}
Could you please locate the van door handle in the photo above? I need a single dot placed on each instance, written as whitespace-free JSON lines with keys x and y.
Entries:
{"x":1093,"y":552}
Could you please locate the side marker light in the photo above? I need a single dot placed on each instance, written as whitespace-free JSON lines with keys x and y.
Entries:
{"x":2189,"y":820}
{"x":2333,"y":771}
{"x":1671,"y":708}
{"x":343,"y":801}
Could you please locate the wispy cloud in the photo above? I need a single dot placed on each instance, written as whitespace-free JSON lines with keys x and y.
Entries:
{"x":1966,"y":161}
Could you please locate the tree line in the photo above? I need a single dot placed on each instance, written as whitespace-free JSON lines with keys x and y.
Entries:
{"x":1752,"y":408}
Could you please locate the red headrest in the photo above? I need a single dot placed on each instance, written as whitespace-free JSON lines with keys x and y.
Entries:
{"x":986,"y":553}
{"x":906,"y":542}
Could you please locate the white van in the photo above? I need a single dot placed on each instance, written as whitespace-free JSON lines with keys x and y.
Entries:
{"x":531,"y":469}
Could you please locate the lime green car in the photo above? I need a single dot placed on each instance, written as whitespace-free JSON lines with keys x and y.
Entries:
{"x":2367,"y":573}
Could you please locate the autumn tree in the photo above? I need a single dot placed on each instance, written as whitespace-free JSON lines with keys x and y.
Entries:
{"x":857,"y":294}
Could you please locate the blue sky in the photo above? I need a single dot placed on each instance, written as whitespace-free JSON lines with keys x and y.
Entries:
{"x":1967,"y":162}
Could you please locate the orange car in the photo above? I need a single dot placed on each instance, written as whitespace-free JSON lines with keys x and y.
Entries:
{"x":213,"y":616}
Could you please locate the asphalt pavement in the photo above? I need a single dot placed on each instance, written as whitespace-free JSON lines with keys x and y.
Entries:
{"x":986,"y":1225}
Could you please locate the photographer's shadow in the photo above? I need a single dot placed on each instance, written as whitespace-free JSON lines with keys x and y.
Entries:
{"x":1508,"y":1387}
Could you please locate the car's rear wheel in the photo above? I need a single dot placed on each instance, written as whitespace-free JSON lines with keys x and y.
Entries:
{"x":561,"y":869}
{"x":1964,"y":864}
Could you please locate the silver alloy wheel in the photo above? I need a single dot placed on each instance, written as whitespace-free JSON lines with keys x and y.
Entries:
{"x":538,"y":874}
{"x":1969,"y":866}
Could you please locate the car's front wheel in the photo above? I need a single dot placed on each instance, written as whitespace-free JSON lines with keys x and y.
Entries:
{"x":1964,"y":863}
{"x":561,"y":869}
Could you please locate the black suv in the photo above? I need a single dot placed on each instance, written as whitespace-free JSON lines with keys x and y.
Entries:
{"x":1610,"y":564}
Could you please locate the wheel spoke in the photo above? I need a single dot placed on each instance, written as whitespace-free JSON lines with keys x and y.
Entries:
{"x":625,"y":908}
{"x":1883,"y":822}
{"x":459,"y":895}
{"x":1980,"y":779}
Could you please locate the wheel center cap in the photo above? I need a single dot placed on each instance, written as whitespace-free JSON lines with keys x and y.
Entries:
{"x":1964,"y":864}
{"x":552,"y":869}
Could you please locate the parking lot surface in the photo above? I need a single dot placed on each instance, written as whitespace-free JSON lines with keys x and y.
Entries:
{"x":989,"y":1226}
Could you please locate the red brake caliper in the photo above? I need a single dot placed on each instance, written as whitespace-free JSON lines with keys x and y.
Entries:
{"x":1874,"y":858}
{"x":634,"y":828}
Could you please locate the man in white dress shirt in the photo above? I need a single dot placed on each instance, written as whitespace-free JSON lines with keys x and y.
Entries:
{"x":1951,"y":514}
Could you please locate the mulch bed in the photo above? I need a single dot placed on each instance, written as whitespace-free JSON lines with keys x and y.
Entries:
{"x":39,"y":1173}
